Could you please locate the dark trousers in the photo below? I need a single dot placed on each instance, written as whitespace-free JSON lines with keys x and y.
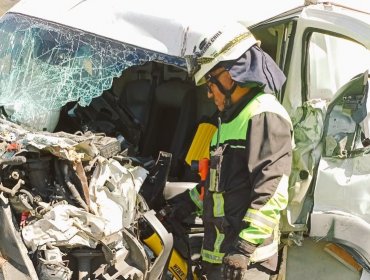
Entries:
{"x":255,"y":272}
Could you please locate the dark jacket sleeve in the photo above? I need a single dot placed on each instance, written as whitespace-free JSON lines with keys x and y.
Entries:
{"x":269,"y":157}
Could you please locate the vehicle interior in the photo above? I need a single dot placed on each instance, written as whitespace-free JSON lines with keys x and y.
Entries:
{"x":150,"y":108}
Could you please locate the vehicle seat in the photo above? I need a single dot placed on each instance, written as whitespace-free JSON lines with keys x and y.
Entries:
{"x":172,"y":122}
{"x":137,"y":96}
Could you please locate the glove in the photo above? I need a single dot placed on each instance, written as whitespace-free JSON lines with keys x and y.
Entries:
{"x":181,"y":206}
{"x":235,"y":264}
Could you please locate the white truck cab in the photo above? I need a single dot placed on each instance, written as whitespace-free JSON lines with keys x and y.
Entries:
{"x":118,"y":68}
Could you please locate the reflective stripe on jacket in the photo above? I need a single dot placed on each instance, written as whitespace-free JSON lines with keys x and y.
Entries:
{"x":239,"y":200}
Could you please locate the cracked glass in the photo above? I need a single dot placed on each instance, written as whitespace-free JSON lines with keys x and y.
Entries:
{"x":43,"y":66}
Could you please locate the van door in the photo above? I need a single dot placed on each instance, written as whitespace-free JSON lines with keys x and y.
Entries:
{"x":326,"y":96}
{"x":324,"y":51}
{"x":341,"y":210}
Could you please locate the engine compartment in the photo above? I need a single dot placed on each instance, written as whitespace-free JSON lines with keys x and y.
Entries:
{"x":79,"y":198}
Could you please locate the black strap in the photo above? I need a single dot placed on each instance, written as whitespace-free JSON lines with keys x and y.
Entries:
{"x":226,"y":92}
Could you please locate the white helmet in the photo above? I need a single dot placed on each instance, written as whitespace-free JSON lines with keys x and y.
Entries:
{"x":227,"y":43}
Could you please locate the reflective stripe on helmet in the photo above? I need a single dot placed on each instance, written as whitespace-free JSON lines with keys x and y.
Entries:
{"x":226,"y":48}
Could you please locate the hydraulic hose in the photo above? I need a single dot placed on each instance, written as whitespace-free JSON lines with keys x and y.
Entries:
{"x":65,"y":172}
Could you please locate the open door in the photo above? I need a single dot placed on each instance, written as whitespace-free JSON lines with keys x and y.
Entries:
{"x":341,"y":205}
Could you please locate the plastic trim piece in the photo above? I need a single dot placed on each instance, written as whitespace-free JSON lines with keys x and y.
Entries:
{"x":344,"y":229}
{"x":156,"y":271}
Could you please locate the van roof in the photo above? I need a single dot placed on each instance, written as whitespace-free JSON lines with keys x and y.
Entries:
{"x":141,"y":23}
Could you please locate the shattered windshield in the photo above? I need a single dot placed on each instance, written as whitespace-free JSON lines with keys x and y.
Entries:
{"x":43,"y":66}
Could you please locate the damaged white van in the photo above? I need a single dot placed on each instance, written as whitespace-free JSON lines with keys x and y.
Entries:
{"x":100,"y":124}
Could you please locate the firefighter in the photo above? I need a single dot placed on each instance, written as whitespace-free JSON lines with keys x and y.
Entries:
{"x":250,"y":156}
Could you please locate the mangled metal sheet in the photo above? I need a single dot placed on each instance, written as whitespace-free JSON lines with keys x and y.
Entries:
{"x":65,"y":195}
{"x":308,"y":123}
{"x":113,"y":189}
{"x":71,"y":147}
{"x":344,"y":185}
{"x":67,"y":226}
